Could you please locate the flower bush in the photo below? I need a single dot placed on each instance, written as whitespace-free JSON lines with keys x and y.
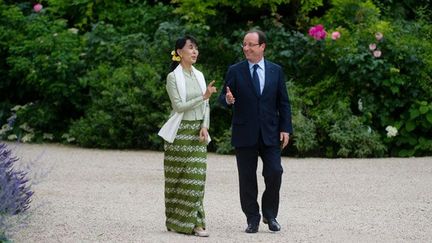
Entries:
{"x":58,"y":70}
{"x":94,"y":74}
{"x":376,"y":74}
{"x":381,"y":77}
{"x":15,"y":191}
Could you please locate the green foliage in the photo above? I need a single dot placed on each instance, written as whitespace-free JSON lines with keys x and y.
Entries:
{"x":376,"y":91}
{"x":192,"y":11}
{"x":49,"y":64}
{"x":42,"y":62}
{"x":125,"y":88}
{"x":123,"y":112}
{"x":224,"y":142}
{"x":351,"y":13}
{"x":309,"y":5}
{"x":93,"y":72}
{"x":414,"y":128}
{"x":199,"y":11}
{"x":352,"y":137}
{"x":378,"y":85}
{"x":407,"y":9}
{"x":305,"y":136}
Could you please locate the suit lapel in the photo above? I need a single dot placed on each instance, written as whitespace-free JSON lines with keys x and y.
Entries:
{"x":269,"y":74}
{"x":249,"y":81}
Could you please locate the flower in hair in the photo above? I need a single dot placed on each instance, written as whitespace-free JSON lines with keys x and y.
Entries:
{"x":175,"y":57}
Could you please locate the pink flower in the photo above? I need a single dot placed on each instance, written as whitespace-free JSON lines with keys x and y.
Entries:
{"x":377,"y":53}
{"x":372,"y":46}
{"x":37,"y":7}
{"x":317,"y":32}
{"x":378,"y":36}
{"x":335,"y":35}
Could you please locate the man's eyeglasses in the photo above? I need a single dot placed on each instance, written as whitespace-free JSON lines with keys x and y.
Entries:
{"x":249,"y":45}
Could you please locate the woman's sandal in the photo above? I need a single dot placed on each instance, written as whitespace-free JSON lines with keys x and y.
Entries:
{"x":200,"y":232}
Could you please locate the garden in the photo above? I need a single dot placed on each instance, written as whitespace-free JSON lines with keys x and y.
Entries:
{"x":92,"y":73}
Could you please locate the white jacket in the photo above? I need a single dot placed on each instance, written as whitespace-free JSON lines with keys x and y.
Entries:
{"x":169,"y":130}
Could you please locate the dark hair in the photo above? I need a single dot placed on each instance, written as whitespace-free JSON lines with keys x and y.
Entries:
{"x":180,"y":43}
{"x":262,"y":38}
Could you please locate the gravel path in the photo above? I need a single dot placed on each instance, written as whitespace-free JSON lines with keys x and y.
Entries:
{"x":93,"y":195}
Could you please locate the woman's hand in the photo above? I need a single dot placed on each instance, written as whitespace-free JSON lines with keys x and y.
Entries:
{"x":210,"y":90}
{"x":203,"y":135}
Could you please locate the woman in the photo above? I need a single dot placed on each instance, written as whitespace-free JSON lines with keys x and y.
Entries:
{"x":186,"y":138}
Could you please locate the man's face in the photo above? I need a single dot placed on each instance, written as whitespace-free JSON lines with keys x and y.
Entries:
{"x":252,"y":50}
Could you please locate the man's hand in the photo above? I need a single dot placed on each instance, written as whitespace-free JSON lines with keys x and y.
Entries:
{"x":284,"y":138}
{"x":229,"y":96}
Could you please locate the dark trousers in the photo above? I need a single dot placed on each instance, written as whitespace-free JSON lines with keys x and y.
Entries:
{"x":247,"y":162}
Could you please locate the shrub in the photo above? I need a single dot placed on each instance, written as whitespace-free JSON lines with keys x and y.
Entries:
{"x":124,"y":109}
{"x":94,"y":74}
{"x":379,"y":70}
{"x":41,"y":60}
{"x":15,"y":192}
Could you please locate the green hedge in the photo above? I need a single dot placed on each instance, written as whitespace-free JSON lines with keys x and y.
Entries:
{"x":92,"y":73}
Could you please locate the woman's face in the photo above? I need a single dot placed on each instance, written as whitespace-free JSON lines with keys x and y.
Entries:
{"x":189,"y":53}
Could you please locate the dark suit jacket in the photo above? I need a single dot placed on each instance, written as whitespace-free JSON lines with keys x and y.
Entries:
{"x":269,"y":112}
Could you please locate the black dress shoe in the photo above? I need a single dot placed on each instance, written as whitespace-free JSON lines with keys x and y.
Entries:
{"x":272,"y":224}
{"x":252,"y":228}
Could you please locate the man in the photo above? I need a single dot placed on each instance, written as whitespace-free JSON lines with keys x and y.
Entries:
{"x":261,"y":125}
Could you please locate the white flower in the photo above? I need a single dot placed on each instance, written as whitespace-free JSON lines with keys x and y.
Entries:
{"x":68,"y":137}
{"x":26,"y":127}
{"x":48,"y":136}
{"x":360,"y":104}
{"x":378,"y":36}
{"x":27,"y":138}
{"x":73,"y":30}
{"x":12,"y":137}
{"x":5,"y":128}
{"x":391,"y":131}
{"x":17,"y":107}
